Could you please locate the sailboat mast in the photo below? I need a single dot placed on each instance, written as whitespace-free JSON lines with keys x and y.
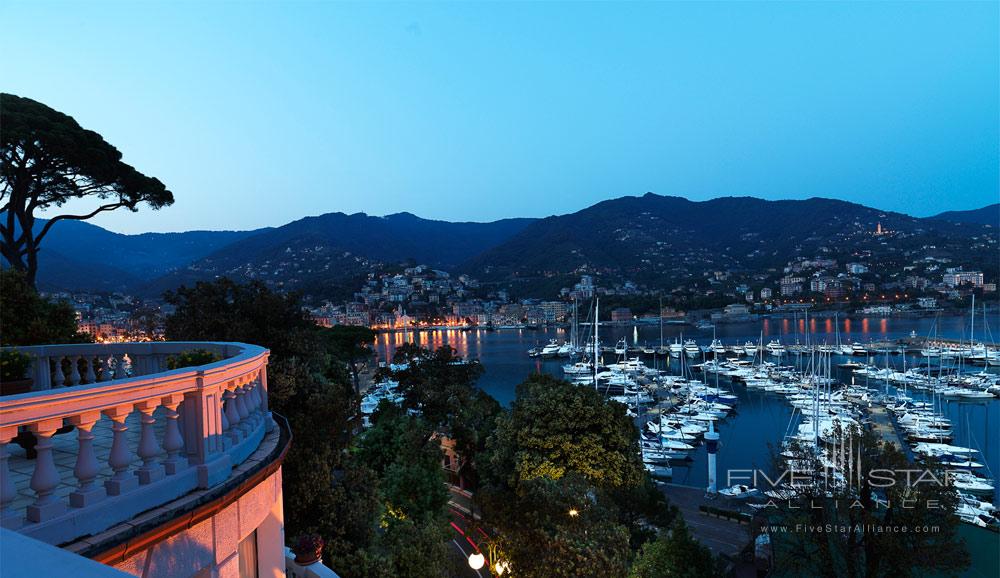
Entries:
{"x":597,"y":314}
{"x":572,"y":330}
{"x":661,"y":322}
{"x":972,"y":329}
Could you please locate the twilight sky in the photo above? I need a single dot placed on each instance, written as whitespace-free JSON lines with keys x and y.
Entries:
{"x":259,"y":113}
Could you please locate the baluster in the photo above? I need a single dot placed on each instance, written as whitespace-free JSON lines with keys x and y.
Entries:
{"x":107,"y":372}
{"x":45,"y":478}
{"x":58,"y":377}
{"x":122,"y":480}
{"x":253,"y":403}
{"x":87,"y":467}
{"x":258,"y":402}
{"x":241,"y":408}
{"x":232,"y":416}
{"x":74,"y":369}
{"x":119,"y":366}
{"x":42,"y":374}
{"x":150,"y":471}
{"x":8,"y":518}
{"x":182,"y":427}
{"x":173,"y":442}
{"x":225,"y":420}
{"x":90,"y":376}
{"x":136,"y":365}
{"x":262,"y":394}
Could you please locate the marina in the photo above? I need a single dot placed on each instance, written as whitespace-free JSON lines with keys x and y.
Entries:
{"x":754,"y":402}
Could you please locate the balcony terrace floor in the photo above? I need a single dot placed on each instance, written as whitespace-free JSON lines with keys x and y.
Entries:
{"x":65,"y":447}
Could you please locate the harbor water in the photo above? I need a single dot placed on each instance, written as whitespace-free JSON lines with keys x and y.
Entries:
{"x":761,"y":418}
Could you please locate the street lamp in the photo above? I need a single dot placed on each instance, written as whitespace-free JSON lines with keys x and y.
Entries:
{"x":476,"y":560}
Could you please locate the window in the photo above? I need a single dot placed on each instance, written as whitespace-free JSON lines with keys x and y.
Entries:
{"x":248,"y":556}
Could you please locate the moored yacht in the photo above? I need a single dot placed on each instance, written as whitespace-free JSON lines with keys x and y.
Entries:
{"x":550,"y":350}
{"x":739,"y":492}
{"x":774,"y":347}
{"x":578,"y":368}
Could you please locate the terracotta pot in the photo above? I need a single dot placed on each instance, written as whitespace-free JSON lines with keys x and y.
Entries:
{"x":306,"y":558}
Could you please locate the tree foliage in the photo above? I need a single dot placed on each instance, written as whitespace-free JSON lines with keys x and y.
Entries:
{"x":308,"y":383}
{"x":562,"y":484}
{"x":353,"y":345}
{"x":439,"y":383}
{"x":27,"y":318}
{"x":404,"y":452}
{"x":869,"y":521}
{"x":250,"y":313}
{"x":46,"y":160}
{"x":408,"y":533}
{"x":675,"y":554}
{"x":559,"y":528}
{"x":442,"y":386}
{"x":555,"y":428}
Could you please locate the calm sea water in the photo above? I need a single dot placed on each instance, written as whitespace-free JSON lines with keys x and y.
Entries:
{"x":761,"y":418}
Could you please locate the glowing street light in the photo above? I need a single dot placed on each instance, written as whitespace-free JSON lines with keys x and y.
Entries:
{"x":476,"y":560}
{"x":573,"y":513}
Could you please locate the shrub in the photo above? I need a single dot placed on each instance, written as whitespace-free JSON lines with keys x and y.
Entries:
{"x":13,"y":365}
{"x":191,"y":358}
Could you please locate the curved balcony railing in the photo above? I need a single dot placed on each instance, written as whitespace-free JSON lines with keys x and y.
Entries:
{"x":112,"y":433}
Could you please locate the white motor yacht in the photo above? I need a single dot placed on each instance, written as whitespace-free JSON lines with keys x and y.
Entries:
{"x":550,"y":350}
{"x":739,"y":492}
{"x":774,"y":347}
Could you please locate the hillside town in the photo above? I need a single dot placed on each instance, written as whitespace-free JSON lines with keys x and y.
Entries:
{"x":421,"y":296}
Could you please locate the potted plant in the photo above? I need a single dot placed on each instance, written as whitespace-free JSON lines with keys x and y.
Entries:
{"x":308,"y":549}
{"x":14,"y":367}
{"x":191,"y":358}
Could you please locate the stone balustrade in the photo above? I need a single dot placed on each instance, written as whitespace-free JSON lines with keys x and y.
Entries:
{"x":314,"y":570}
{"x":115,"y":433}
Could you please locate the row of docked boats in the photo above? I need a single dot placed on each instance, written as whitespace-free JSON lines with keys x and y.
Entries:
{"x":677,"y":431}
{"x":556,"y":348}
{"x":977,"y":354}
{"x":826,"y":410}
{"x":929,"y":435}
{"x":952,"y":384}
{"x":387,"y":391}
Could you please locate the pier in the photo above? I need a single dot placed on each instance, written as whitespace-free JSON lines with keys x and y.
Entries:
{"x":883,"y":425}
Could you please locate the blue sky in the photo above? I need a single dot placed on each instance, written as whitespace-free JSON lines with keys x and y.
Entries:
{"x":256,"y":114}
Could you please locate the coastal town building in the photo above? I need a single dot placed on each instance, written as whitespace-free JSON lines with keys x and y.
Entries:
{"x":791,"y":285}
{"x":621,"y":315}
{"x":957,"y":277}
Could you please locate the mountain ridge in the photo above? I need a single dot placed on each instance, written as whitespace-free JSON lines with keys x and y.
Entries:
{"x":648,"y":238}
{"x":988,"y":215}
{"x":665,"y":240}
